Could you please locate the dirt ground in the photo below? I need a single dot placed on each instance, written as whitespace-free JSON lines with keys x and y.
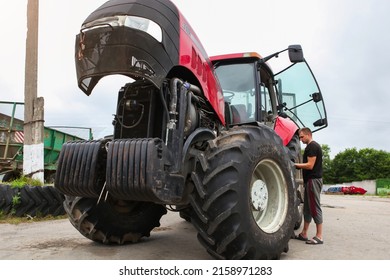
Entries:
{"x":355,"y":228}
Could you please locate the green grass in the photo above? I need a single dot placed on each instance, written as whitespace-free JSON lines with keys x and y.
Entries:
{"x":10,"y":219}
{"x":25,"y":181}
{"x":383,"y":191}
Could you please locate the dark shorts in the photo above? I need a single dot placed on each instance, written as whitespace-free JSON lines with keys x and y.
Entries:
{"x":312,"y":206}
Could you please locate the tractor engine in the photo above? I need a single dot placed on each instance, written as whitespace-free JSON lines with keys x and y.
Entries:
{"x":142,"y":111}
{"x":143,"y":161}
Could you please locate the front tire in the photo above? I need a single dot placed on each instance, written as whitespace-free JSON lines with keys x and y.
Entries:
{"x":113,"y":221}
{"x":245,"y":195}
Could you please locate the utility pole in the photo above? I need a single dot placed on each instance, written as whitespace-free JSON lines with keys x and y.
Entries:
{"x":33,"y":149}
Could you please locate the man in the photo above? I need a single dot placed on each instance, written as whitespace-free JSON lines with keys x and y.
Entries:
{"x":312,"y":179}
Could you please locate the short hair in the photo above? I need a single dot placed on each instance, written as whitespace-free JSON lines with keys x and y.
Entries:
{"x":305,"y":130}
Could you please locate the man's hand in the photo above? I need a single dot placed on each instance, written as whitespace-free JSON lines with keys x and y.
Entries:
{"x":309,"y":165}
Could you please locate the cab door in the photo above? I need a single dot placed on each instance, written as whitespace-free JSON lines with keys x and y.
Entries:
{"x":300,"y":97}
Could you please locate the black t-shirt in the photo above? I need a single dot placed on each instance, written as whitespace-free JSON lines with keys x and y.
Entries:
{"x":313,"y":149}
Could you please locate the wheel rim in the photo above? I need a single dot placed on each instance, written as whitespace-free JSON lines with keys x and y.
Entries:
{"x":269,"y":199}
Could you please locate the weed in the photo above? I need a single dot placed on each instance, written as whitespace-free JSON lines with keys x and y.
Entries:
{"x":23,"y":181}
{"x":9,"y":219}
{"x":16,"y":199}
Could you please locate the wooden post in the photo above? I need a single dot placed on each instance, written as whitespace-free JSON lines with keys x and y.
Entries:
{"x":33,"y":149}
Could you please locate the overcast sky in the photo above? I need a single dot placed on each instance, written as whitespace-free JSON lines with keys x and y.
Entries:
{"x":346,"y":43}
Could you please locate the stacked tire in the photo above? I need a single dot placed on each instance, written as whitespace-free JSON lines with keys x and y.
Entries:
{"x":6,"y":198}
{"x":31,"y":201}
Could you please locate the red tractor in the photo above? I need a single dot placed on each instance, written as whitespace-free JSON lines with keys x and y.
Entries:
{"x":211,"y":138}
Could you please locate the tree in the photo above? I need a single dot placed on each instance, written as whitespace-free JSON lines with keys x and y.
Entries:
{"x":328,"y":173}
{"x":344,"y":165}
{"x":353,"y":165}
{"x":373,"y":164}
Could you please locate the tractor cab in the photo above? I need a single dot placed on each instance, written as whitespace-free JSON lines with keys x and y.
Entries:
{"x":254,"y":92}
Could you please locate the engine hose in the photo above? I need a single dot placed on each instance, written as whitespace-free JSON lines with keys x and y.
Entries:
{"x":192,"y":87}
{"x":173,"y":103}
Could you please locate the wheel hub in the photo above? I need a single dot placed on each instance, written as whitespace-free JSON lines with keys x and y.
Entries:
{"x":268,"y":196}
{"x":259,"y":195}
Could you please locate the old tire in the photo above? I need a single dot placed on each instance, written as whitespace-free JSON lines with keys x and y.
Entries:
{"x":30,"y":202}
{"x":6,"y":198}
{"x":244,"y":197}
{"x":11,"y":175}
{"x":113,"y":221}
{"x":54,"y":199}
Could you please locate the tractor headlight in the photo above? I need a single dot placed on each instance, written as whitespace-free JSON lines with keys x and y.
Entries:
{"x":139,"y":23}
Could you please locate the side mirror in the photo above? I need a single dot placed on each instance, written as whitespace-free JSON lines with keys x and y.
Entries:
{"x":295,"y":53}
{"x":317,"y":97}
{"x":320,"y":122}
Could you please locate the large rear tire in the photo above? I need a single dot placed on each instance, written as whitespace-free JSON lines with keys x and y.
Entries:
{"x":113,"y":221}
{"x":244,"y":199}
{"x":294,"y":147}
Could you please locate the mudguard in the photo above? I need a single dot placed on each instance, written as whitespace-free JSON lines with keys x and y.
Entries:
{"x":286,"y":129}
